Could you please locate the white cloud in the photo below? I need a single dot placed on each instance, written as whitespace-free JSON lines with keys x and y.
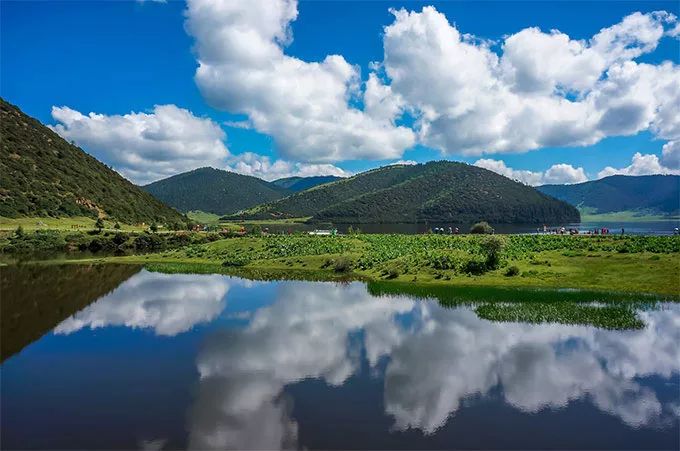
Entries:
{"x":306,"y":106}
{"x":145,"y":146}
{"x":406,"y":162}
{"x":670,"y":155}
{"x":648,"y":164}
{"x":558,"y":173}
{"x":250,"y":163}
{"x":545,"y":89}
{"x":167,"y":303}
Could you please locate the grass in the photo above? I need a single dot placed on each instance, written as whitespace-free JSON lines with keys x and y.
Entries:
{"x":607,"y":317}
{"x":69,"y":224}
{"x":203,"y":217}
{"x":623,"y":264}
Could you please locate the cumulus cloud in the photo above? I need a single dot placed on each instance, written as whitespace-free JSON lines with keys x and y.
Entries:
{"x":250,"y":163}
{"x":167,"y":303}
{"x":670,"y":155}
{"x":649,"y":164}
{"x":544,"y":89}
{"x":557,"y":174}
{"x":308,"y":107}
{"x":145,"y":146}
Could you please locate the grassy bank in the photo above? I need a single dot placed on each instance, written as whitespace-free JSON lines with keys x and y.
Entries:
{"x":624,"y":264}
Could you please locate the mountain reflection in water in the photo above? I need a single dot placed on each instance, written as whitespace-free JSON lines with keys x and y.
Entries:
{"x":324,"y":365}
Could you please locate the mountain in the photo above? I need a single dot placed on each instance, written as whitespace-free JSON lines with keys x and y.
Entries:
{"x":43,"y":175}
{"x":214,"y":191}
{"x":658,"y":194}
{"x":437,"y":191}
{"x":296,"y":184}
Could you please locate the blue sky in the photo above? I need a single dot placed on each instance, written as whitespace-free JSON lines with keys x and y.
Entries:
{"x":115,"y":58}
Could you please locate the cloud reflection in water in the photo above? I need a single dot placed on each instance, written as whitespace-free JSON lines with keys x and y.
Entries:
{"x":436,"y":359}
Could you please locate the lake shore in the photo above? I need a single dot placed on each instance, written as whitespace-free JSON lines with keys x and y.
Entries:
{"x":606,"y":263}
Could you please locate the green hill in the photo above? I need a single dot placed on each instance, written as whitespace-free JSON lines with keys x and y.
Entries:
{"x":296,"y":184}
{"x":214,"y":191}
{"x":646,"y":194}
{"x":42,"y":175}
{"x":437,"y":192}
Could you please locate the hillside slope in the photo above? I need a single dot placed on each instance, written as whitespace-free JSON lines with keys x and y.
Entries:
{"x":214,"y":191}
{"x":42,"y":175}
{"x":437,"y":191}
{"x":658,"y":194}
{"x":296,"y":184}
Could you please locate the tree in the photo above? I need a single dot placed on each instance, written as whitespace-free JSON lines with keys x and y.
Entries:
{"x":99,"y":225}
{"x":482,"y":228}
{"x":153,"y":227}
{"x":116,"y":225}
{"x":19,"y":232}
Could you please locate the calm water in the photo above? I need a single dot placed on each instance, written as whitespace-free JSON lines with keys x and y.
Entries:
{"x":119,"y":357}
{"x":630,"y":228}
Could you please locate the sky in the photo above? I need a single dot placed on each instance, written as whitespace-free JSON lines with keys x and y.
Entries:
{"x":540,"y":91}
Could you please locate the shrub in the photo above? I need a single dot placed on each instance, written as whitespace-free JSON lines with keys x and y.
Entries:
{"x":99,"y":225}
{"x":481,"y":228}
{"x":512,"y":271}
{"x":95,"y":245}
{"x":342,"y":264}
{"x":116,"y":225}
{"x":119,"y":238}
{"x":255,"y":230}
{"x":19,"y":232}
{"x":476,"y":267}
{"x":492,"y":248}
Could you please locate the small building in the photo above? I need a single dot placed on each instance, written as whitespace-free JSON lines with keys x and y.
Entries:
{"x":324,"y":232}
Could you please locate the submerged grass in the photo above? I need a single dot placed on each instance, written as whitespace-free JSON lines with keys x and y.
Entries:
{"x":607,"y":317}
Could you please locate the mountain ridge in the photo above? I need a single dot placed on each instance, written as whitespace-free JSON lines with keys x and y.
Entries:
{"x":643,"y":193}
{"x":214,"y":191}
{"x":435,"y":191}
{"x":43,"y":175}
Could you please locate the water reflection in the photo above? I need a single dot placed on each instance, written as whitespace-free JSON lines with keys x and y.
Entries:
{"x":269,"y":349}
{"x":35,"y":298}
{"x":437,"y":357}
{"x":167,"y":303}
{"x":304,"y":334}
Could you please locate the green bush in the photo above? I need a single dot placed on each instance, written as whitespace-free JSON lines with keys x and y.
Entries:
{"x":342,"y":264}
{"x":481,"y":228}
{"x":512,"y":271}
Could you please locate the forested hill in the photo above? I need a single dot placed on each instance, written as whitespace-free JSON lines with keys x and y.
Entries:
{"x":658,"y":194}
{"x":437,"y":191}
{"x":296,"y":184}
{"x":214,"y":191}
{"x":42,"y":175}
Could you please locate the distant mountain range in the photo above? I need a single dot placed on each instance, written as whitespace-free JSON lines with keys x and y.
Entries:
{"x":214,"y":191}
{"x":222,"y":192}
{"x":297,"y":184}
{"x":437,"y":191}
{"x":42,"y":175}
{"x":645,"y":194}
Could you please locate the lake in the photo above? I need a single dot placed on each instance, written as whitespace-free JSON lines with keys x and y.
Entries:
{"x":120,"y":357}
{"x":630,"y":227}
